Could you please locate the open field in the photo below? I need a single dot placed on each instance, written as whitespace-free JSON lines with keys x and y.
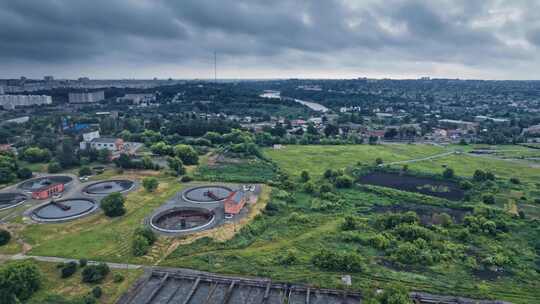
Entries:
{"x":316,"y":159}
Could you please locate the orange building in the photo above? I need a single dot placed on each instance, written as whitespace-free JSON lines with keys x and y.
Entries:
{"x":47,"y":191}
{"x":234,"y":202}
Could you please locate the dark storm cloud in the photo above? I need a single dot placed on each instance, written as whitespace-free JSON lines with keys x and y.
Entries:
{"x":321,"y":36}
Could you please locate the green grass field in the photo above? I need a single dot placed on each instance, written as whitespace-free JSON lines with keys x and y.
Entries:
{"x":316,"y":159}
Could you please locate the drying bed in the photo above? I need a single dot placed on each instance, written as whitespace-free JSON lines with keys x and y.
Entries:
{"x":63,"y":210}
{"x":41,"y":182}
{"x":207,"y":194}
{"x":9,"y":200}
{"x":182,"y":219}
{"x":108,"y":187}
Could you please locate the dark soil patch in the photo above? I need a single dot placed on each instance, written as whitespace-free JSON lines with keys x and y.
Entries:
{"x":438,"y":188}
{"x":427,"y":214}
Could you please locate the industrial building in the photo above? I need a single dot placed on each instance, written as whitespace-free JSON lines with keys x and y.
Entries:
{"x":9,"y":102}
{"x":86,"y":97}
{"x":47,"y":191}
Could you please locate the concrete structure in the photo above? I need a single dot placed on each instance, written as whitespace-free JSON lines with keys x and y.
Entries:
{"x":109,"y":143}
{"x":86,"y":97}
{"x":137,"y":98}
{"x":481,"y":118}
{"x":2,"y":90}
{"x":47,"y":191}
{"x":9,"y":102}
{"x":18,"y":120}
{"x":460,"y":124}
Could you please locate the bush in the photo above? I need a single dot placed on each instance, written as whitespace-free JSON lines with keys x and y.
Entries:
{"x":147,"y":233}
{"x":378,"y":161}
{"x":448,"y":173}
{"x":338,"y":261}
{"x":515,"y":181}
{"x":186,"y":179}
{"x":488,"y":199}
{"x":187,"y":154}
{"x":95,"y":273}
{"x":117,"y":278}
{"x":343,"y":182}
{"x":19,"y":280}
{"x":150,"y":184}
{"x":54,"y":167}
{"x":97,"y":292}
{"x":351,"y":222}
{"x":139,"y":245}
{"x":466,"y":185}
{"x":5,"y":237}
{"x":24,"y":173}
{"x":68,"y":269}
{"x":84,"y":171}
{"x":83,"y":263}
{"x":113,"y":205}
{"x":304,"y":176}
{"x":287,"y":258}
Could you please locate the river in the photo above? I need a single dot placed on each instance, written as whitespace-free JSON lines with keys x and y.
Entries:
{"x":312,"y":105}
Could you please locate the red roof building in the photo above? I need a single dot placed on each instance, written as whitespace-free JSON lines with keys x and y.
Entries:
{"x":235,"y":202}
{"x":47,"y":191}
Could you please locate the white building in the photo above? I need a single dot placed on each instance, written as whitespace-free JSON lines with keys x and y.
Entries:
{"x":9,"y":102}
{"x":86,"y":97}
{"x":137,"y":98}
{"x":18,"y":120}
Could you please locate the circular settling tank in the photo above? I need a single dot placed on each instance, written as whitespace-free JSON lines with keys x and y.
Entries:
{"x":207,"y":194}
{"x":40,"y":182}
{"x":108,"y":187}
{"x":62,"y":210}
{"x":182,"y":219}
{"x":8,"y":200}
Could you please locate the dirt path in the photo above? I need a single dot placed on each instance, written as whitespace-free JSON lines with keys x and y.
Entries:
{"x":421,"y":159}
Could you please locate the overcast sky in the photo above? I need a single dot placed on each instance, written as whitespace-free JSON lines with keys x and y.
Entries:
{"x":270,"y":38}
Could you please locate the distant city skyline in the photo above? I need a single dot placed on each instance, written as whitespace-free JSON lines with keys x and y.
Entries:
{"x":143,"y":39}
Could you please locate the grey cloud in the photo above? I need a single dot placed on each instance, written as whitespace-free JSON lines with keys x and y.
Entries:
{"x":328,"y":35}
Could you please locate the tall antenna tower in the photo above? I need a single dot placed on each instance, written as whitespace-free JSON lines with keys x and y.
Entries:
{"x":215,"y":66}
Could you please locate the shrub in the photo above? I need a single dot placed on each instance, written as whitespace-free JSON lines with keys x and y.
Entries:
{"x":187,"y":154}
{"x":24,"y":173}
{"x":113,"y":205}
{"x":394,"y":294}
{"x":186,"y":179}
{"x":150,"y":184}
{"x":287,"y":258}
{"x":351,"y":222}
{"x":139,"y":245}
{"x":85,"y":170}
{"x":5,"y":237}
{"x":338,"y":261}
{"x":488,"y":199}
{"x":54,"y":167}
{"x":95,"y":273}
{"x":83,"y":263}
{"x":466,"y":185}
{"x":117,"y":278}
{"x":378,"y":161}
{"x":68,"y":269}
{"x":515,"y":180}
{"x":97,"y":292}
{"x":309,"y":187}
{"x":304,"y":176}
{"x":343,"y":182}
{"x":147,"y":233}
{"x":89,"y":299}
{"x":448,"y":173}
{"x":391,"y":220}
{"x":325,"y":187}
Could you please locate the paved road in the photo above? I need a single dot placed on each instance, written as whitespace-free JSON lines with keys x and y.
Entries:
{"x":420,"y":159}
